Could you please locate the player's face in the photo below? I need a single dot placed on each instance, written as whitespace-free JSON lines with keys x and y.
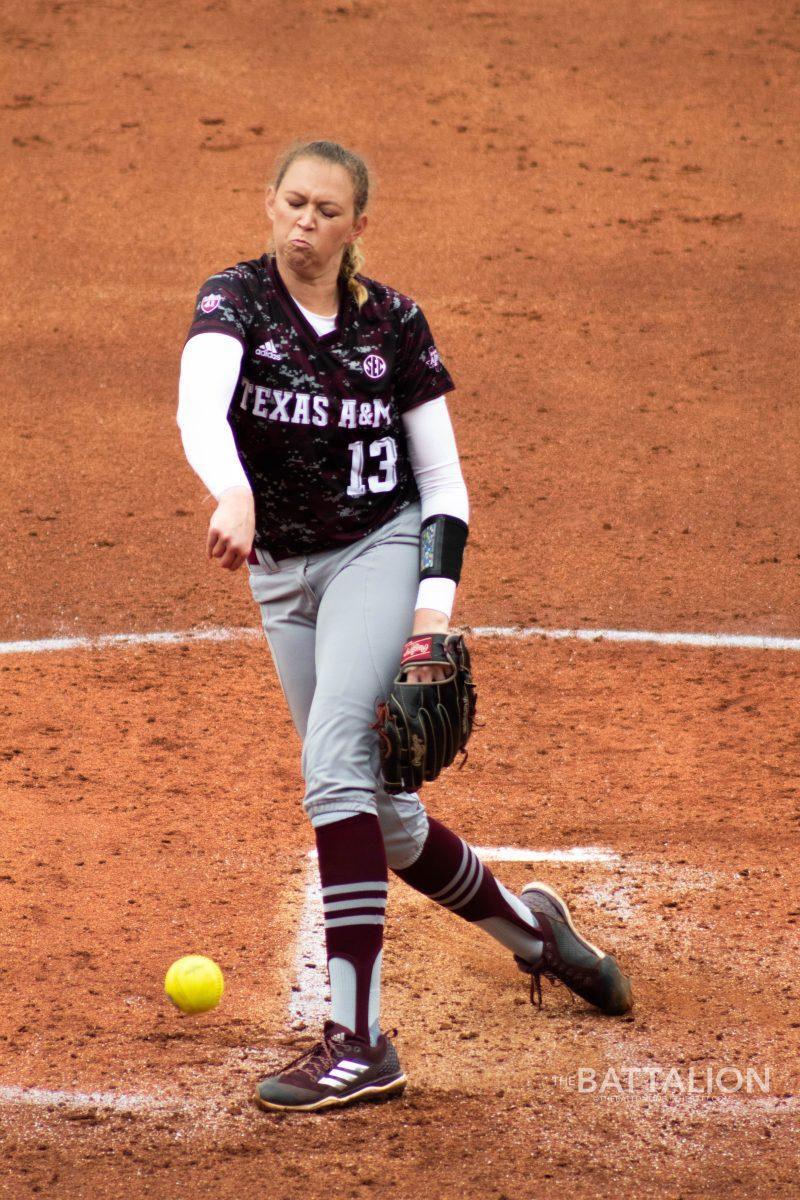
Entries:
{"x":312,"y":215}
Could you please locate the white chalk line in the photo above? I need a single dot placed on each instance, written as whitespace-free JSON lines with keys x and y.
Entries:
{"x":308,"y":1003}
{"x":108,"y":641}
{"x":21,"y":1097}
{"x":309,"y":996}
{"x":113,"y":1101}
{"x":707,"y":641}
{"x":574,"y":854}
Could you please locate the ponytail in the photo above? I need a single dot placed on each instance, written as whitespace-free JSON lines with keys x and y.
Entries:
{"x":352,"y":262}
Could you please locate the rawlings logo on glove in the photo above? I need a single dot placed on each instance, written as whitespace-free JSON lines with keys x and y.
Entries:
{"x":422,"y":726}
{"x":417,"y":649}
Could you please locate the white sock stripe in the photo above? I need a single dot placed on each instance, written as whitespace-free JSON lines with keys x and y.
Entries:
{"x":456,"y":898}
{"x":374,"y":1000}
{"x":338,"y":889}
{"x":338,"y":922}
{"x":364,"y":902}
{"x":464,"y":860}
{"x":344,"y":985}
{"x":364,"y":916}
{"x":527,"y":944}
{"x":467,"y":881}
{"x":470,"y":893}
{"x":517,"y":905}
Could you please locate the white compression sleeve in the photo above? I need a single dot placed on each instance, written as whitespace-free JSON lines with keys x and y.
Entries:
{"x":209,"y":373}
{"x":434,"y":461}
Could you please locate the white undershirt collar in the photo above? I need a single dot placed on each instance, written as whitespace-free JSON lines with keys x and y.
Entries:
{"x":320,"y":325}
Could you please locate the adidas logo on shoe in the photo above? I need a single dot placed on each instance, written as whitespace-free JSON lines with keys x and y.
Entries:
{"x":268,"y":350}
{"x":339,"y":1070}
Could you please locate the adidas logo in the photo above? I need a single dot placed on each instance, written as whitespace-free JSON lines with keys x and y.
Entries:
{"x":267,"y":350}
{"x":346,"y":1071}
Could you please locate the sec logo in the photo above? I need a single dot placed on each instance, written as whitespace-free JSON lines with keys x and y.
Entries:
{"x":374,"y":366}
{"x":210,"y":302}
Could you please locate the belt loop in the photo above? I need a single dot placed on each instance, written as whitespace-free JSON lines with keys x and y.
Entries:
{"x":263,"y":558}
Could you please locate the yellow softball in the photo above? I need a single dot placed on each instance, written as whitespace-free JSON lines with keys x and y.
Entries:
{"x":194,"y":983}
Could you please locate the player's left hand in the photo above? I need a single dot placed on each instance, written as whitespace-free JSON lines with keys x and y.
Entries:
{"x":422,"y":726}
{"x":428,"y":620}
{"x":232,"y":528}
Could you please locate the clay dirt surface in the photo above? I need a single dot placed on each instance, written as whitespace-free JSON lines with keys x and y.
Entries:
{"x":595,"y":204}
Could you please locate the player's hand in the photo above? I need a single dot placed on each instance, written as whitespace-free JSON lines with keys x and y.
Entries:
{"x":232,"y":528}
{"x":428,"y":620}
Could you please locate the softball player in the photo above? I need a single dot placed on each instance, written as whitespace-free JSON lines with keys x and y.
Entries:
{"x":312,"y":406}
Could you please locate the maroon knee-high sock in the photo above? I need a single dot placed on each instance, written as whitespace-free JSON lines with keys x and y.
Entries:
{"x":450,"y":872}
{"x":353,"y":874}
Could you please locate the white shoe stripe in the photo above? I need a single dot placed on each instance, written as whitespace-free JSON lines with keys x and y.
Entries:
{"x":343,"y":1073}
{"x":347,"y":1076}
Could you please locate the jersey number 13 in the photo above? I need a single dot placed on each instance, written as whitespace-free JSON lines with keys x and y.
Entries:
{"x":385,"y":451}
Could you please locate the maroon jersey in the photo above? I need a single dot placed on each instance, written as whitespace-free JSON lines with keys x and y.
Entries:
{"x":316,"y":420}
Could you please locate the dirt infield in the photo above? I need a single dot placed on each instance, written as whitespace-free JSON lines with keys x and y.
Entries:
{"x":595,"y":205}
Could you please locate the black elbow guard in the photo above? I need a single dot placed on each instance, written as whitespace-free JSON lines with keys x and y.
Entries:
{"x":441,"y":547}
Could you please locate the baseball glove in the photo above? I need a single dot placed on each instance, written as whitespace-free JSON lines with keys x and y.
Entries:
{"x":422,"y":726}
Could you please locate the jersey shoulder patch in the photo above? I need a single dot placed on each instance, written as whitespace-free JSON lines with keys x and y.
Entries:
{"x":230,"y":301}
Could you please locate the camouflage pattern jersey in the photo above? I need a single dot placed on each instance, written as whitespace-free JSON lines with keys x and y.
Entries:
{"x":316,"y":420}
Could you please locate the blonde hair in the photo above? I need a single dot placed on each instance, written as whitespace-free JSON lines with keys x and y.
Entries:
{"x":333,"y":152}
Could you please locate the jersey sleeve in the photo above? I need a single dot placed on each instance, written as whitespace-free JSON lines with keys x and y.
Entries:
{"x":222,"y":306}
{"x":420,"y":374}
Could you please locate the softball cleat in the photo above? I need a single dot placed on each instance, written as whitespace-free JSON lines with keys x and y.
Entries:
{"x":339,"y":1070}
{"x":569,"y":958}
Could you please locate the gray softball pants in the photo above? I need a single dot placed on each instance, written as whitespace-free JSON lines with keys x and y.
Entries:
{"x":336,"y":621}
